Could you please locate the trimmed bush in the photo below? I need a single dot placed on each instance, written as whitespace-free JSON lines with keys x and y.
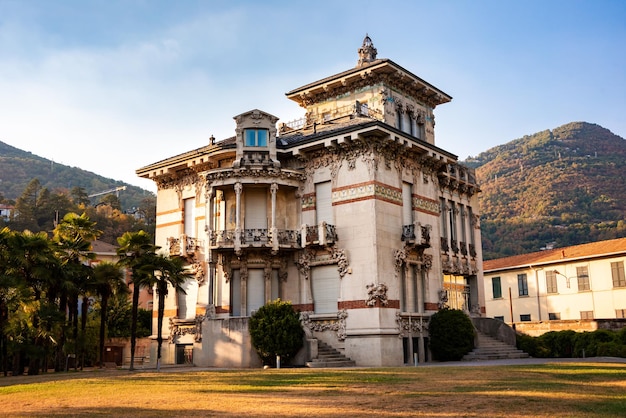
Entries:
{"x":275,"y":330}
{"x":451,"y":334}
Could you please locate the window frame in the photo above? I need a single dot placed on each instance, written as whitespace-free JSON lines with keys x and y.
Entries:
{"x":255,"y":141}
{"x":522,"y":284}
{"x":552,"y":285}
{"x":493,"y":287}
{"x":582,"y":276}
{"x":617,"y":274}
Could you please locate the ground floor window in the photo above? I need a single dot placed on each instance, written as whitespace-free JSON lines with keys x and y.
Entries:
{"x":524,"y":317}
{"x":325,"y":285}
{"x":554,"y":316}
{"x":184,"y":353}
{"x":586,"y":314}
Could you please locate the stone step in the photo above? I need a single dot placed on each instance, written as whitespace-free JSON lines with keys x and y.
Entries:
{"x":488,"y":348}
{"x":329,"y":357}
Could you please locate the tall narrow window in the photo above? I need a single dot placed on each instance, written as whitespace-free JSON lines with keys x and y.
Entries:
{"x":323,"y":203}
{"x":496,"y":288}
{"x":235,"y":294}
{"x":407,"y":204}
{"x":617,"y":271}
{"x":255,"y":209}
{"x":189,"y":221}
{"x":445,"y":245}
{"x":255,"y":286}
{"x":583,"y":278}
{"x":325,"y":284}
{"x":551,"y":284}
{"x":522,"y":284}
{"x":256,"y":137}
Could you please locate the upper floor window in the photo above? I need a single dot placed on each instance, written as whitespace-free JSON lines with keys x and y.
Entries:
{"x":551,"y":286}
{"x":522,"y":284}
{"x":496,"y":288}
{"x":256,"y":137}
{"x":617,"y":271}
{"x":583,"y":278}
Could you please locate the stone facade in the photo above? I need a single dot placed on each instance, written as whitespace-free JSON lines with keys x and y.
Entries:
{"x":352,"y":214}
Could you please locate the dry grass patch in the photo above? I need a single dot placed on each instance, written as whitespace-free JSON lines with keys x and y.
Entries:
{"x":550,"y":390}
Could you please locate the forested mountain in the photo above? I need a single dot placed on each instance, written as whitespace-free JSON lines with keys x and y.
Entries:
{"x":555,"y":188}
{"x":18,"y":168}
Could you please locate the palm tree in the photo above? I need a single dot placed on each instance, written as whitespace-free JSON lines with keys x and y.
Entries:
{"x":108,"y":280}
{"x":169,"y":272}
{"x":34,"y":264}
{"x":73,"y":236}
{"x":136,"y":252}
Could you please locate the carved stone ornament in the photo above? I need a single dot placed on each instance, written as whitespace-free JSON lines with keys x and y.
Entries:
{"x":199,"y":272}
{"x":410,"y":326}
{"x":443,"y":299}
{"x":376,"y":292}
{"x":321,"y":325}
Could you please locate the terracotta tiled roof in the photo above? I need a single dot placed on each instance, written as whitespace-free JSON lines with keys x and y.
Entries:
{"x":593,"y":249}
{"x":102,"y":247}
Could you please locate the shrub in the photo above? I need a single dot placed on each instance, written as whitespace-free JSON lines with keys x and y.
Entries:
{"x":451,"y":335}
{"x":275,"y":330}
{"x":558,"y":344}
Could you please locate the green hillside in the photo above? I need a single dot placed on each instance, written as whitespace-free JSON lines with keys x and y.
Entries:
{"x":18,"y":168}
{"x":553,"y":188}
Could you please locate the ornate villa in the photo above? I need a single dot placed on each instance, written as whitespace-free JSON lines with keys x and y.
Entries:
{"x":352,"y":214}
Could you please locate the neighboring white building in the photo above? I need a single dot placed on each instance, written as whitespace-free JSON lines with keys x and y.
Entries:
{"x":5,"y":212}
{"x":579,"y":283}
{"x":352,"y":214}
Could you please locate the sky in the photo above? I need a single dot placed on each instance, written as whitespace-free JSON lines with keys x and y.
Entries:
{"x":114,"y":85}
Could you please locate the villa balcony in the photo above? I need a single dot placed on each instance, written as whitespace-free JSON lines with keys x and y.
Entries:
{"x":322,"y":234}
{"x":416,"y":234}
{"x":254,"y":238}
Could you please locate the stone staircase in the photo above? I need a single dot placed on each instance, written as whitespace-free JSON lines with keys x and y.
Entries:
{"x":488,"y":348}
{"x":329,"y":357}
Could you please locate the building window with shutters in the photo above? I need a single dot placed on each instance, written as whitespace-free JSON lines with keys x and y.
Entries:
{"x":496,"y":288}
{"x":325,"y":284}
{"x":583,"y":278}
{"x":586,"y":314}
{"x":617,"y":271}
{"x":551,"y":283}
{"x":522,"y":284}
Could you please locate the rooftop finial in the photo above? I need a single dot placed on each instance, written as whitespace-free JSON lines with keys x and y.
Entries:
{"x":367,"y":52}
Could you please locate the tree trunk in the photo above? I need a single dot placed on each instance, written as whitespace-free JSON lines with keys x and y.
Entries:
{"x":133,"y":326}
{"x":161,"y":312}
{"x":103,"y":318}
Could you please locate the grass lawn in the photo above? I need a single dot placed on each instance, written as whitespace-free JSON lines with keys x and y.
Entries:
{"x":546,"y":390}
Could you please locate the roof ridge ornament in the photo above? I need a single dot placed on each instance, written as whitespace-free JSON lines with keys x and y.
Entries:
{"x":367,"y":52}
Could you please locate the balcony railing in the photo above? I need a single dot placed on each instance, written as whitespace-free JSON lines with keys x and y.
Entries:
{"x":255,"y":237}
{"x":444,"y":244}
{"x":463,"y":248}
{"x":416,"y":234}
{"x":321,"y":234}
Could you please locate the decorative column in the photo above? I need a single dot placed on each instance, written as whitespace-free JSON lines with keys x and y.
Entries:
{"x":273,"y":229}
{"x":237,"y":243}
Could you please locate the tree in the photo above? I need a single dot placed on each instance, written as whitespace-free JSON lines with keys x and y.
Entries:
{"x":137,"y":253}
{"x":276,"y":330}
{"x":79,"y":196}
{"x":169,"y":272}
{"x":451,"y":334}
{"x":24,"y":216}
{"x":73,"y":237}
{"x":107,"y":281}
{"x":33,"y":262}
